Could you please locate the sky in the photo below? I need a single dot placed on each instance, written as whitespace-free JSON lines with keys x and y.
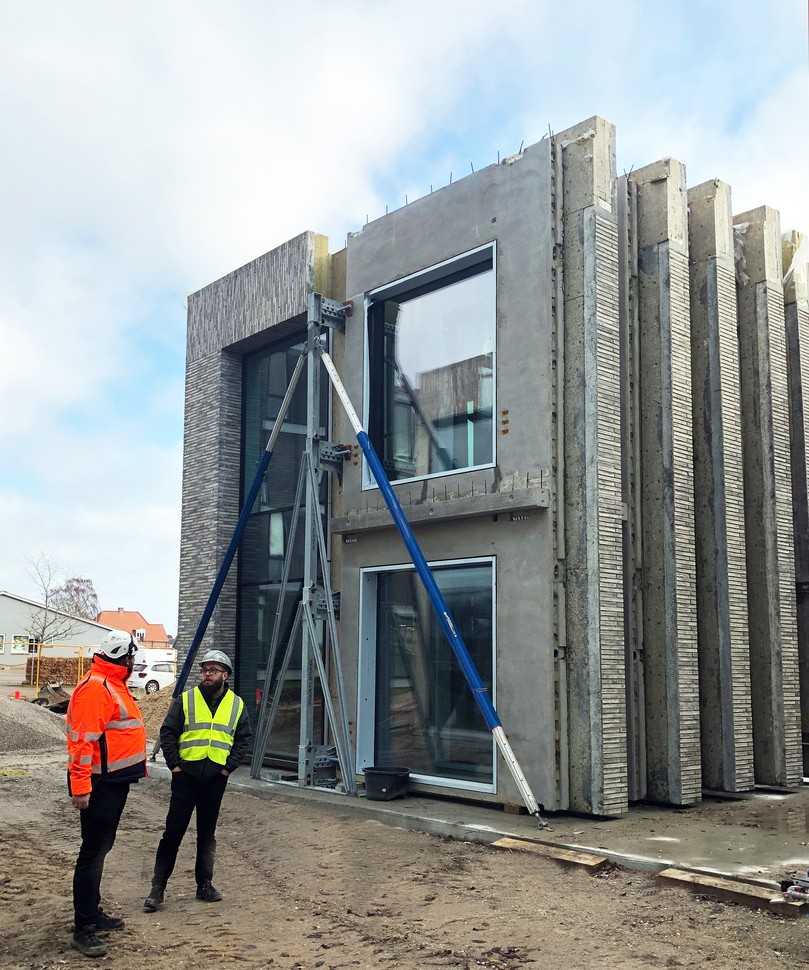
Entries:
{"x":150,"y":148}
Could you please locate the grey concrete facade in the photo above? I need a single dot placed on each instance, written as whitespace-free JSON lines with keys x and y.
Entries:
{"x":666,"y":486}
{"x":768,"y":499}
{"x":724,"y":656}
{"x":796,"y":311}
{"x":509,"y":205}
{"x":591,"y":501}
{"x":642,"y":648}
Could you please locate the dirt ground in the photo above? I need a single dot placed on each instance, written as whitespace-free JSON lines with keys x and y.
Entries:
{"x":305,"y":887}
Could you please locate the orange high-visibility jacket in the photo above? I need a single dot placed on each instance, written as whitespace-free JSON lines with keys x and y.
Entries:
{"x":105,"y":732}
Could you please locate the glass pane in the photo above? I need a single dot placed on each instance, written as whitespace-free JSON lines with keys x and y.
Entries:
{"x":257,"y":611}
{"x":264,"y":544}
{"x":432,"y":367}
{"x":265,"y":379}
{"x":426,"y":718}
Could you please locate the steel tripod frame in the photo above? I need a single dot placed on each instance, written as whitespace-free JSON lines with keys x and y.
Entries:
{"x":305,"y":620}
{"x":316,"y":587}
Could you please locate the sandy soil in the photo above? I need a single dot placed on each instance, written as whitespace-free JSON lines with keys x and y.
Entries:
{"x":305,"y":887}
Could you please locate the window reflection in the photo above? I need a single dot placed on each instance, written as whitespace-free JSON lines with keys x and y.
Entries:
{"x":432,"y":375}
{"x":426,"y":718}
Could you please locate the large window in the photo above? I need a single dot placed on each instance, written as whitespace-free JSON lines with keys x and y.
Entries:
{"x":416,"y":709}
{"x":266,"y":375}
{"x":431,"y":366}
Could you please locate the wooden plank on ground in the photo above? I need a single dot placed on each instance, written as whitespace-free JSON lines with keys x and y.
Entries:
{"x":588,"y":860}
{"x":718,"y":887}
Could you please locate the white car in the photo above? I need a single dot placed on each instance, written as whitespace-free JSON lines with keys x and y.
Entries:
{"x":153,"y":676}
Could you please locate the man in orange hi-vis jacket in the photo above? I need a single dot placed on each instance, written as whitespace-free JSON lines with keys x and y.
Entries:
{"x":106,"y":744}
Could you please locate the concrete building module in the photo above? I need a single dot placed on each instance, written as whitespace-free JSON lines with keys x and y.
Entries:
{"x":521,"y":350}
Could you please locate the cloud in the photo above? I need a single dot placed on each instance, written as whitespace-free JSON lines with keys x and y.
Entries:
{"x":150,"y":148}
{"x":106,"y":507}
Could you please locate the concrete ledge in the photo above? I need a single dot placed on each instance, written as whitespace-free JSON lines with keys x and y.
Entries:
{"x":746,"y":894}
{"x":442,"y":510}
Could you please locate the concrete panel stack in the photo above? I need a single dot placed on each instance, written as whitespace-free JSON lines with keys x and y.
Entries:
{"x":724,"y":659}
{"x":768,"y":499}
{"x":667,"y":493}
{"x":585,"y":169}
{"x":796,"y":307}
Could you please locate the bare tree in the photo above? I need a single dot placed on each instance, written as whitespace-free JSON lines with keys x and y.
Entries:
{"x":77,"y":596}
{"x":49,"y":623}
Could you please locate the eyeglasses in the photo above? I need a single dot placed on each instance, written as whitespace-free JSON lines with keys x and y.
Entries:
{"x":213,"y":670}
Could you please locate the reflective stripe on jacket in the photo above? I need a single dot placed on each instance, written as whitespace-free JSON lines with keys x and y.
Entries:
{"x":207,"y":735}
{"x":104,"y":727}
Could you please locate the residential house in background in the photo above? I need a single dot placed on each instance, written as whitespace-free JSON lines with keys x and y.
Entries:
{"x":71,"y":636}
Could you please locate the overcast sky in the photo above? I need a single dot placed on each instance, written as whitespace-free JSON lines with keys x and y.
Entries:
{"x":149,"y":148}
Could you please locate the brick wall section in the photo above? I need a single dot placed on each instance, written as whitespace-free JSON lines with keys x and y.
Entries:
{"x":592,"y":483}
{"x":249,"y":301}
{"x":724,"y":658}
{"x":610,"y":522}
{"x":768,"y":499}
{"x":734,"y":512}
{"x":667,"y":491}
{"x":796,"y":310}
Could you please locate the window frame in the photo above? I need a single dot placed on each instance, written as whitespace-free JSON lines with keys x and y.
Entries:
{"x":366,"y":671}
{"x":16,"y":643}
{"x":406,"y":284}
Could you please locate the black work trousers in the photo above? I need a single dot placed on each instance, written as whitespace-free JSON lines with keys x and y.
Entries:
{"x":189,"y":793}
{"x":99,"y":825}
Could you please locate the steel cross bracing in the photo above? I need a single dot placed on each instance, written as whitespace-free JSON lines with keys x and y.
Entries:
{"x":314,"y":617}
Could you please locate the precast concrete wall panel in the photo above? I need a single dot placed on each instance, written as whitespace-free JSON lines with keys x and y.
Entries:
{"x":724,"y":657}
{"x":796,"y":308}
{"x":592,"y":462}
{"x":503,"y":511}
{"x":669,"y":594}
{"x":768,"y":499}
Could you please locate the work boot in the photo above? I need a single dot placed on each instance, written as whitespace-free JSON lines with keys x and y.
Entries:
{"x":154,"y":900}
{"x":207,"y":892}
{"x":105,"y":922}
{"x":86,"y":942}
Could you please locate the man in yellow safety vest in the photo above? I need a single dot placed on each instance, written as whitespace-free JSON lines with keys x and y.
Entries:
{"x":204,"y":738}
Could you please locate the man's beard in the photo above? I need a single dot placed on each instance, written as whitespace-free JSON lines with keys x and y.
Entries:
{"x":210,"y":690}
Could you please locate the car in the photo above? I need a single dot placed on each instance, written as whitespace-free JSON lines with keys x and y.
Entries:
{"x":153,"y":676}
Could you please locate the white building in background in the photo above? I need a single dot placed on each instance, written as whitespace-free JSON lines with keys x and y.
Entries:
{"x":18,"y":616}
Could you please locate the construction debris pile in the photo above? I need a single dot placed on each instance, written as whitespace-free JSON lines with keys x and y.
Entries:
{"x":155,"y":707}
{"x":28,"y":727}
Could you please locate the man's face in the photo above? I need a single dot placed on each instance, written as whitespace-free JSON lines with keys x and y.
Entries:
{"x":214,"y":676}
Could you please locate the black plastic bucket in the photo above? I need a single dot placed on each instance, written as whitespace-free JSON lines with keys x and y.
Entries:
{"x":383,"y":784}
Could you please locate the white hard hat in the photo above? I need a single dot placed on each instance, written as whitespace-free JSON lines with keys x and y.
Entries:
{"x":116,"y":644}
{"x":217,"y":657}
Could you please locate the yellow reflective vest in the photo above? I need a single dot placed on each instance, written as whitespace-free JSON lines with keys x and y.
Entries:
{"x":207,"y":735}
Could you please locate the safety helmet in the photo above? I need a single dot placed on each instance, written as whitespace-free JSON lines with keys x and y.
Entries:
{"x":217,"y":657}
{"x":116,"y":644}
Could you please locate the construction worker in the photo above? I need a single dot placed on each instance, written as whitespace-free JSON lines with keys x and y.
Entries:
{"x":106,"y":744}
{"x":204,"y":738}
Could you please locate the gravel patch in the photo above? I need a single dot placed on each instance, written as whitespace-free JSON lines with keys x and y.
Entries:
{"x":28,"y":727}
